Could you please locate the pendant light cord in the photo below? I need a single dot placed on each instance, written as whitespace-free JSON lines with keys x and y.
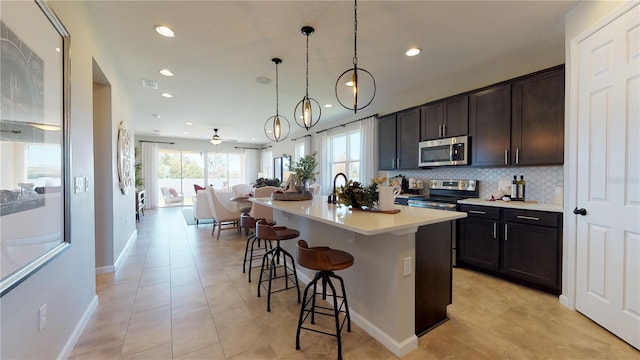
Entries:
{"x":307,"y":89}
{"x":355,"y":32}
{"x":277,"y":112}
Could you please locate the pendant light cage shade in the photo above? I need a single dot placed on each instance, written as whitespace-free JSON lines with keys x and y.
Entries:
{"x":307,"y":112}
{"x":356,"y":87}
{"x":277,"y":127}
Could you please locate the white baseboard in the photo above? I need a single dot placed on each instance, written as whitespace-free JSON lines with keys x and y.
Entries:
{"x":112,"y":268}
{"x":398,"y":348}
{"x":77,"y":331}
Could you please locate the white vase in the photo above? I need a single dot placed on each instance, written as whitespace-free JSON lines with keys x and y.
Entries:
{"x":387,"y":197}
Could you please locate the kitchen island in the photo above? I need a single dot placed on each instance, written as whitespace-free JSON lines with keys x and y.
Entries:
{"x":381,"y":284}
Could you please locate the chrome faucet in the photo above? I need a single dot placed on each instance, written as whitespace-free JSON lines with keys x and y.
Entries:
{"x":333,"y":198}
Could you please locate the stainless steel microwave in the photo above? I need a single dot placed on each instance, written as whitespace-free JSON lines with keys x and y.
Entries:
{"x":443,"y":152}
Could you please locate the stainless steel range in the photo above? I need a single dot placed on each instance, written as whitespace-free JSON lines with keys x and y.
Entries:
{"x":444,"y":195}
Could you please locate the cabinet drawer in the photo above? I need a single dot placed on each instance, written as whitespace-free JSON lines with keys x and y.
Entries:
{"x":484,"y":212}
{"x":532,"y":217}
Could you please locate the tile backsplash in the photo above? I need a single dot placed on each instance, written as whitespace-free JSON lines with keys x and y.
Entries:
{"x":541,"y":181}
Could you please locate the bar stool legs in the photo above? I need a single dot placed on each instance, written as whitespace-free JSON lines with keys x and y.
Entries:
{"x":325,"y":277}
{"x":254,"y":243}
{"x":273,"y":256}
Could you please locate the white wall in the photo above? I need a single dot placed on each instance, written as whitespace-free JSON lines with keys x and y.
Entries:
{"x":67,"y":283}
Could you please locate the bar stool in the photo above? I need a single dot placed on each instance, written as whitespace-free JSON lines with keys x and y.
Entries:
{"x":276,"y":233}
{"x":325,"y":260}
{"x":248,"y":223}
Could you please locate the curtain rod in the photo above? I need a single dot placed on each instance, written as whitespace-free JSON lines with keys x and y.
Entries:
{"x":158,"y":142}
{"x":300,"y":137}
{"x":250,"y":148}
{"x":348,"y":123}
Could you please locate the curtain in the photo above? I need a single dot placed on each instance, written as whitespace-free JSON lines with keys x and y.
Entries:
{"x":150,"y":173}
{"x":251,"y":165}
{"x":266,"y":163}
{"x":368,"y":149}
{"x":326,"y":181}
{"x":307,"y":146}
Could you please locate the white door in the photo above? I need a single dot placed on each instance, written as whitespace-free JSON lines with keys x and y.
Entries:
{"x":608,"y":236}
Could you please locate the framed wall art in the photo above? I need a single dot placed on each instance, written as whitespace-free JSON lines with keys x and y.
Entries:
{"x":34,"y":144}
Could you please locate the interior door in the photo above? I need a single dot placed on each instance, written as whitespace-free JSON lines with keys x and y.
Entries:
{"x":608,"y":233}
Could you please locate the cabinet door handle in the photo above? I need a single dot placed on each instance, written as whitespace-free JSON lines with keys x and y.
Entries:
{"x":393,"y":163}
{"x":397,"y":163}
{"x":528,"y":217}
{"x":440,"y":131}
{"x":495,"y":230}
{"x":506,"y":156}
{"x":477,"y":212}
{"x":444,"y":130}
{"x":505,"y":232}
{"x":517,"y":156}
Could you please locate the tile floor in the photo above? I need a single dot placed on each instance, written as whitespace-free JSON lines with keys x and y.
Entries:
{"x":180,"y":294}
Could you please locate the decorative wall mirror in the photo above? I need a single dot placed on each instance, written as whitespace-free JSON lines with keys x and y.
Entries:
{"x":34,"y":182}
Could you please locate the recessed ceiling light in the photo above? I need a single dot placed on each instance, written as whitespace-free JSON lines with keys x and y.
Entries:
{"x":166,"y":72}
{"x":328,"y":105}
{"x":165,"y":31}
{"x":253,"y":138}
{"x":189,"y":123}
{"x":413,"y":52}
{"x":167,"y":95}
{"x":186,"y":133}
{"x":263,"y":80}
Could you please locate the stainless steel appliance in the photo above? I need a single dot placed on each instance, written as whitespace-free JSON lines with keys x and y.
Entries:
{"x":444,"y":195}
{"x":442,"y":152}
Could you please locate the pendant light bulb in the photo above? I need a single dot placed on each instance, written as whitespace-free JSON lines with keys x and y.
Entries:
{"x":307,"y":114}
{"x":277,"y":127}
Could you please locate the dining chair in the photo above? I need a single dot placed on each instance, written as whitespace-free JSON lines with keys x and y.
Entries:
{"x":221,"y":214}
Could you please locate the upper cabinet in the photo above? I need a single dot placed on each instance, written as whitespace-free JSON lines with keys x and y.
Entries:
{"x":490,"y":126}
{"x":537,"y":132}
{"x":520,"y":122}
{"x":446,"y":118}
{"x":398,"y":139}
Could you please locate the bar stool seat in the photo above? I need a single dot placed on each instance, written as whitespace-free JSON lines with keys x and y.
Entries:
{"x":325,"y":260}
{"x":271,"y":258}
{"x":248,"y":223}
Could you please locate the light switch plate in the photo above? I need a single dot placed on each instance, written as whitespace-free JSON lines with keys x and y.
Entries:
{"x":407,"y":266}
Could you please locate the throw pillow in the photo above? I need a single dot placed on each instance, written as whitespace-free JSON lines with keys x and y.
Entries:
{"x":173,"y":192}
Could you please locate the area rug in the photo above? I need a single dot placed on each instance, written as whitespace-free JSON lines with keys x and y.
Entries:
{"x":188,"y":217}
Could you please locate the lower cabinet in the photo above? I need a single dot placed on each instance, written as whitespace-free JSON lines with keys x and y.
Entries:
{"x":433,"y":275}
{"x":520,"y":245}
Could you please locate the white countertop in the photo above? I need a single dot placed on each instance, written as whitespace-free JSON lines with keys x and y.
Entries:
{"x":362,"y":222}
{"x":523,"y":205}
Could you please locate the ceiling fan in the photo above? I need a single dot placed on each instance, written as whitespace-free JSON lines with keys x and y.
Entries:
{"x":216,"y":139}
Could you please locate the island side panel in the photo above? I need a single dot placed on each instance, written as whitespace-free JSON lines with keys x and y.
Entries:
{"x":381,"y":298}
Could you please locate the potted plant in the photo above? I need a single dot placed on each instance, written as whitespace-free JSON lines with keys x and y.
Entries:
{"x":305,"y":170}
{"x":356,"y":195}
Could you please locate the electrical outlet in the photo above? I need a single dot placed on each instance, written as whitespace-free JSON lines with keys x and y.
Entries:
{"x":43,"y":316}
{"x":407,"y":266}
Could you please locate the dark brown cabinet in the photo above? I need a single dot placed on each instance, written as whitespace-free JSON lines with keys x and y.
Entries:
{"x":537,"y":132}
{"x":520,"y":245}
{"x":490,"y":126}
{"x":446,"y":118}
{"x":479,"y":238}
{"x":398,"y":140}
{"x":532,"y":246}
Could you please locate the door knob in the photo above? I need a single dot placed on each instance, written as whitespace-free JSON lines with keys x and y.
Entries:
{"x":581,"y":211}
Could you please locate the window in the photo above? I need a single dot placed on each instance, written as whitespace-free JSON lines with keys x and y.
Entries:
{"x":298,"y":152}
{"x":345,"y":154}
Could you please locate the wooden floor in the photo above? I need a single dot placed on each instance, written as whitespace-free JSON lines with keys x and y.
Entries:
{"x":180,"y":294}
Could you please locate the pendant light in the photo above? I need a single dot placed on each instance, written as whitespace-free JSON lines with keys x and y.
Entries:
{"x":356,"y":86}
{"x":277,"y":127}
{"x":304,"y":113}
